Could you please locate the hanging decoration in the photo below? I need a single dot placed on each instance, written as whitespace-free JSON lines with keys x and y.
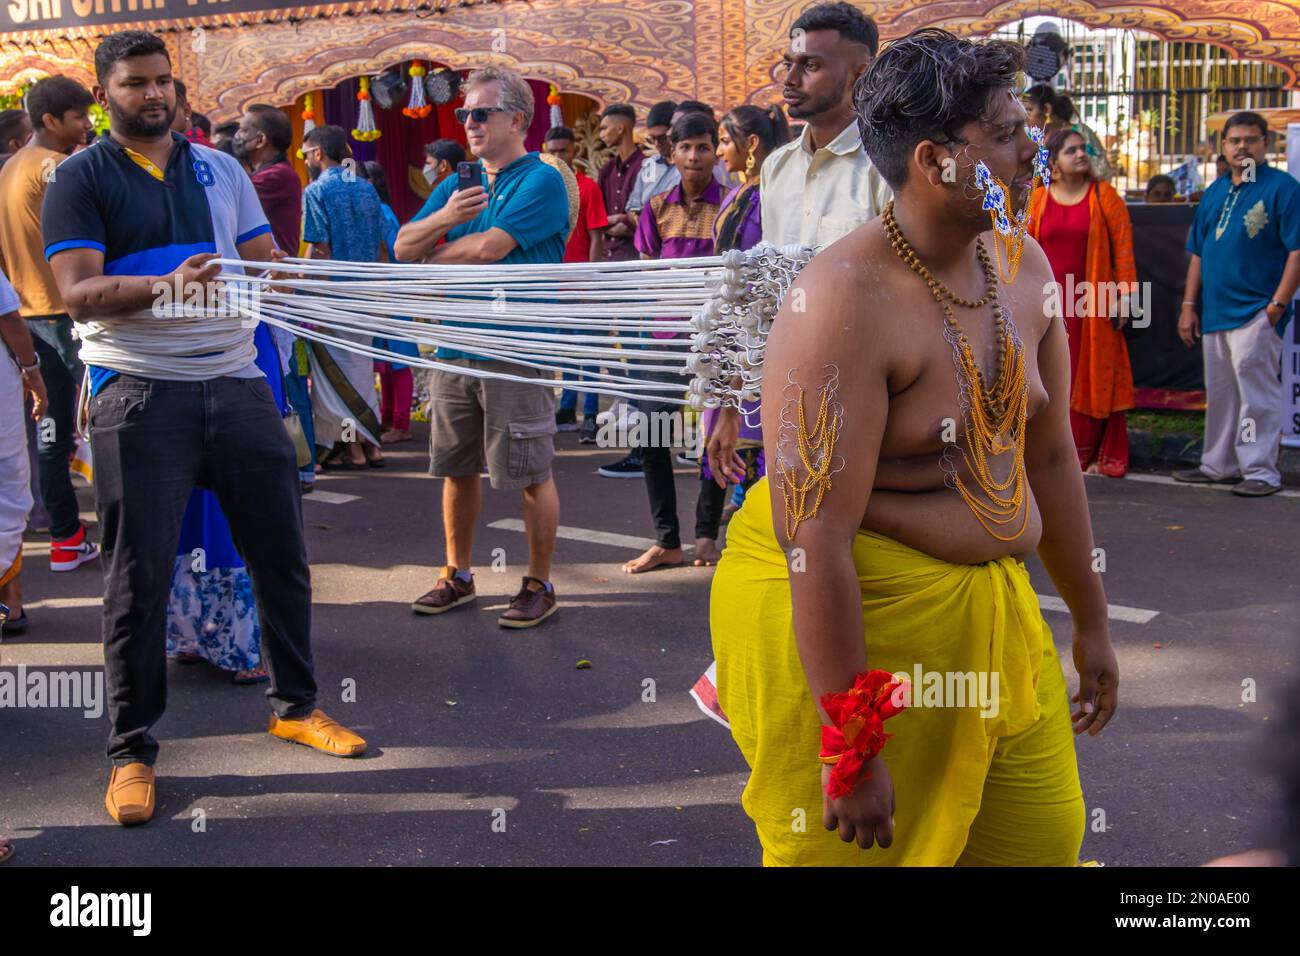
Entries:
{"x":365,"y":131}
{"x":442,"y":86}
{"x":554,"y":99}
{"x":418,"y":107}
{"x":308,"y":115}
{"x":308,"y":119}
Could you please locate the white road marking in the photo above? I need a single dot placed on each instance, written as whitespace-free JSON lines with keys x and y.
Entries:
{"x":298,"y":805}
{"x":1116,"y":612}
{"x":52,"y":655}
{"x":1166,"y":480}
{"x":585,"y":534}
{"x":49,"y":604}
{"x":330,"y":497}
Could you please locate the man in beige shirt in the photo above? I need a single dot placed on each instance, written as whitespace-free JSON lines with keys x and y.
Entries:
{"x":59,"y":109}
{"x":821,"y":186}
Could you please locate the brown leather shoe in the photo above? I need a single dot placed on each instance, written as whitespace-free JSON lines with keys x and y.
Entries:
{"x":529,"y":608}
{"x":448,"y":593}
{"x":130,"y":794}
{"x":319,"y":731}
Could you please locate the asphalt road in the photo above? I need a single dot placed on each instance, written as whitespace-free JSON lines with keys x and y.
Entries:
{"x":491,"y":747}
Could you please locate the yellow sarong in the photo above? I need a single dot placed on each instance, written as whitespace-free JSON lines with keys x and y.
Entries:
{"x":991,"y":783}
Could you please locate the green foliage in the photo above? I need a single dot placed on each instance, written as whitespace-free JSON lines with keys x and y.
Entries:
{"x":1161,"y":422}
{"x":13,"y":100}
{"x":99,"y":117}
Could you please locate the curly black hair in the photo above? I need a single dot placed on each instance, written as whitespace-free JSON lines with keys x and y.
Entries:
{"x":928,"y":85}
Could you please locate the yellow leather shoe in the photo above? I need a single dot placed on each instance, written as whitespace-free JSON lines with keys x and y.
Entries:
{"x":319,"y":731}
{"x":130,"y":794}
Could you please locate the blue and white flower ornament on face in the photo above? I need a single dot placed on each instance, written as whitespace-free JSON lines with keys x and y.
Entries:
{"x":1042,"y":164}
{"x":995,"y":197}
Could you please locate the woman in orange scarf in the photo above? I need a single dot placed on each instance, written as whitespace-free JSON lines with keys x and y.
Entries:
{"x":1084,"y":228}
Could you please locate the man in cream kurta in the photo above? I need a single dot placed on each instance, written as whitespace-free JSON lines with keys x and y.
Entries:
{"x":813,"y":198}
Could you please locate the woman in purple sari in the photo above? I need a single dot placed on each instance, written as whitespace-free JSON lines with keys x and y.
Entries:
{"x":745,"y":138}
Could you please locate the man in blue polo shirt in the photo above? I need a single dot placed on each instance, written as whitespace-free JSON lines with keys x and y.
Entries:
{"x":131,"y":226}
{"x":519,"y":215}
{"x":1245,"y":247}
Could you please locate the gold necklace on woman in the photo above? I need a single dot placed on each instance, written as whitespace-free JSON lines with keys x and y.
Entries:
{"x":994,"y":416}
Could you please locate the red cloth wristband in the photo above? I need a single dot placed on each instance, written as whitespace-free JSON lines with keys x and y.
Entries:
{"x":858,"y":734}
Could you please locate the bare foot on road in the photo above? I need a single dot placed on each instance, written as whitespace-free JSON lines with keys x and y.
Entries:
{"x":654,"y":557}
{"x":706,"y":552}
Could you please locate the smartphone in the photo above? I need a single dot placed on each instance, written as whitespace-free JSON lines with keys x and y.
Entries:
{"x":468,"y":175}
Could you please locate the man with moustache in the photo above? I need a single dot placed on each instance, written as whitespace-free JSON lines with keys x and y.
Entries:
{"x":145,"y":207}
{"x":915,"y":551}
{"x":822,"y":185}
{"x":1242,"y":277}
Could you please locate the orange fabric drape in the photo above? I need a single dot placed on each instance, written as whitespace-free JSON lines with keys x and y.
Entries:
{"x":1103,"y":379}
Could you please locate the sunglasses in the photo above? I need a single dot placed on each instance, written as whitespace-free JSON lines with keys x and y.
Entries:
{"x":478,"y":114}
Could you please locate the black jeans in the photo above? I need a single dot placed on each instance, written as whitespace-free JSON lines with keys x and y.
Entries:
{"x":54,"y":435}
{"x":657,"y":467}
{"x":153,"y":442}
{"x":708,"y":509}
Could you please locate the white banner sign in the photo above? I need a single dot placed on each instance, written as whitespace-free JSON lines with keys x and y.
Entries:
{"x":1291,"y":340}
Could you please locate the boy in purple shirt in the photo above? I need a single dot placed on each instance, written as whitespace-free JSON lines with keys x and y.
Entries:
{"x":677,"y":224}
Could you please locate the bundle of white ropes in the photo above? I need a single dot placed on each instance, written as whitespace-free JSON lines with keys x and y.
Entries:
{"x":705,"y":317}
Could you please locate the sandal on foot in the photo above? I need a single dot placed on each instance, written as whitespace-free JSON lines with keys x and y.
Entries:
{"x":253,"y":675}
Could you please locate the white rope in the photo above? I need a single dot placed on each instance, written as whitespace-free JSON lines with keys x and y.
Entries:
{"x":713,"y":314}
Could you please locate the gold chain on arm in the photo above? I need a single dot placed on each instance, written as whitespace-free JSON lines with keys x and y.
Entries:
{"x":815,"y":449}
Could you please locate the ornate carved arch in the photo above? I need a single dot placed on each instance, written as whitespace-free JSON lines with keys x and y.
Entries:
{"x":579,"y":55}
{"x":53,"y":58}
{"x":1267,"y":30}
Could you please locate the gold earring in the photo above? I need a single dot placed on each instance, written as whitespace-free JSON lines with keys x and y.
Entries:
{"x":749,"y":168}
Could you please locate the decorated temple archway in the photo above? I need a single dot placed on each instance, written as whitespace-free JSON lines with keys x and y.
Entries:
{"x":721,"y":51}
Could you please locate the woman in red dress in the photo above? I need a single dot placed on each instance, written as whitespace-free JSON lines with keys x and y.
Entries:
{"x":1084,"y":228}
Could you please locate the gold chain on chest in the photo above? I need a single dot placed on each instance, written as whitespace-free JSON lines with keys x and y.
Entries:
{"x":994,"y":416}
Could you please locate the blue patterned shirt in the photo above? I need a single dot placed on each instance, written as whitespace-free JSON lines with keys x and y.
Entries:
{"x":343,"y":211}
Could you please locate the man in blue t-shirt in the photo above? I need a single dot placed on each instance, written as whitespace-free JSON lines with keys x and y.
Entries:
{"x":1245,"y":248}
{"x":519,"y":215}
{"x":343,"y":220}
{"x":178,"y":402}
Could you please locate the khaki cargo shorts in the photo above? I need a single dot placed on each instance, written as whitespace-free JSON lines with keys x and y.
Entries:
{"x":507,"y":426}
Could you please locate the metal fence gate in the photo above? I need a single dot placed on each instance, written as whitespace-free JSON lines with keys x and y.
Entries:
{"x":1148,"y":100}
